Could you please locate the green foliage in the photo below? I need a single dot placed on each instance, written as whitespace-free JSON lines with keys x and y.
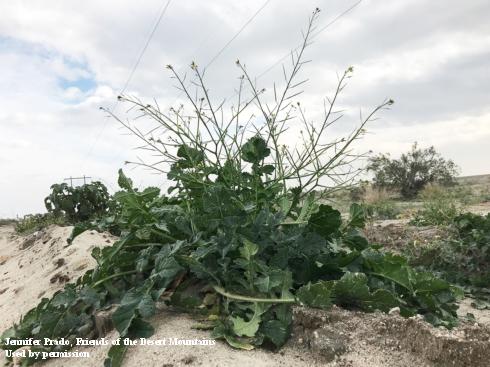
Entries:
{"x":439,"y":208}
{"x":382,"y":209}
{"x":412,"y":171}
{"x":468,"y":261}
{"x":78,"y":204}
{"x":257,"y":259}
{"x":34,"y":222}
{"x":464,"y":258}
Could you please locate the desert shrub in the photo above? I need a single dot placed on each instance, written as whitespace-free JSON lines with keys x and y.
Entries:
{"x":378,"y":204}
{"x":35,"y":222}
{"x":357,"y":192}
{"x":80,"y":203}
{"x":7,"y":221}
{"x":440,"y":207}
{"x":383,"y":209}
{"x":412,"y":171}
{"x":240,"y":235}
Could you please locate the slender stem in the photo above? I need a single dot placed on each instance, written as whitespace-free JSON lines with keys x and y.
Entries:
{"x":99,"y":282}
{"x":239,"y":297}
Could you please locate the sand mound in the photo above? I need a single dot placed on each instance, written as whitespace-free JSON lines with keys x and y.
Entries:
{"x":37,"y":265}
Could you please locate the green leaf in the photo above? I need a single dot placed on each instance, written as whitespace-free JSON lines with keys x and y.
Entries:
{"x":249,"y":328}
{"x":115,"y":356}
{"x":285,"y":204}
{"x":124,"y":182}
{"x":192,"y":156}
{"x":222,"y":331}
{"x":318,"y":295}
{"x":146,"y":306}
{"x":77,"y":230}
{"x":255,"y":150}
{"x":357,"y":216}
{"x":326,"y":221}
{"x":390,"y":267}
{"x":143,"y":233}
{"x":267,"y":169}
{"x":276,"y":331}
{"x":134,"y":300}
{"x":309,"y":206}
{"x":140,"y":329}
{"x":249,"y":249}
{"x":351,"y":289}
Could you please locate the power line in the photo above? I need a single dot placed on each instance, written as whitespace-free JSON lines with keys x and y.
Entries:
{"x":333,"y":21}
{"x":220,"y":52}
{"x":131,"y":74}
{"x":157,"y":23}
{"x":238,"y":33}
{"x":280,"y":60}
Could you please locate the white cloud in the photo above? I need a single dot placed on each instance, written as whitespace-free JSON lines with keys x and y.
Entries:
{"x":424,"y":60}
{"x":61,"y":61}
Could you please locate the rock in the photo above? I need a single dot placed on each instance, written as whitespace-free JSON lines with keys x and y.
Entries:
{"x":328,"y":343}
{"x":394,"y":311}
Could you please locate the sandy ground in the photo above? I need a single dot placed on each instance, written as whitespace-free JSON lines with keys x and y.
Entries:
{"x":482,"y":208}
{"x":38,"y":265}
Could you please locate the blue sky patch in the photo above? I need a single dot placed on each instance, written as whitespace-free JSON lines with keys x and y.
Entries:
{"x":84,"y":84}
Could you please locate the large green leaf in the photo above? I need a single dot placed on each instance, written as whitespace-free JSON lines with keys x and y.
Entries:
{"x":124,"y":182}
{"x":135,"y":302}
{"x":115,"y":356}
{"x":326,"y":221}
{"x":249,"y":328}
{"x":318,"y":295}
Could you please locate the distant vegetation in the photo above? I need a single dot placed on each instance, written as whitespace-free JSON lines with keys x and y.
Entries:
{"x":35,"y":222}
{"x":69,"y":205}
{"x":412,"y":171}
{"x":79,"y":203}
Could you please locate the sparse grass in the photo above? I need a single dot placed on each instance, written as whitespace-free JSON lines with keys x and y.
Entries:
{"x":440,"y":206}
{"x":35,"y":222}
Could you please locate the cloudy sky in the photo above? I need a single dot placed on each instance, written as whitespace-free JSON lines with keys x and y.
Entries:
{"x":62,"y":60}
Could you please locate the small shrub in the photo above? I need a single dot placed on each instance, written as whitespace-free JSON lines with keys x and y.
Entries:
{"x":384,"y":209}
{"x":378,"y":204}
{"x":80,"y":203}
{"x":358,"y":192}
{"x":440,"y":207}
{"x":412,"y":171}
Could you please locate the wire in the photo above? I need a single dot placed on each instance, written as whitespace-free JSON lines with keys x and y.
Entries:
{"x":238,"y":33}
{"x":333,"y":21}
{"x":130,"y":76}
{"x":220,"y":52}
{"x":157,"y":23}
